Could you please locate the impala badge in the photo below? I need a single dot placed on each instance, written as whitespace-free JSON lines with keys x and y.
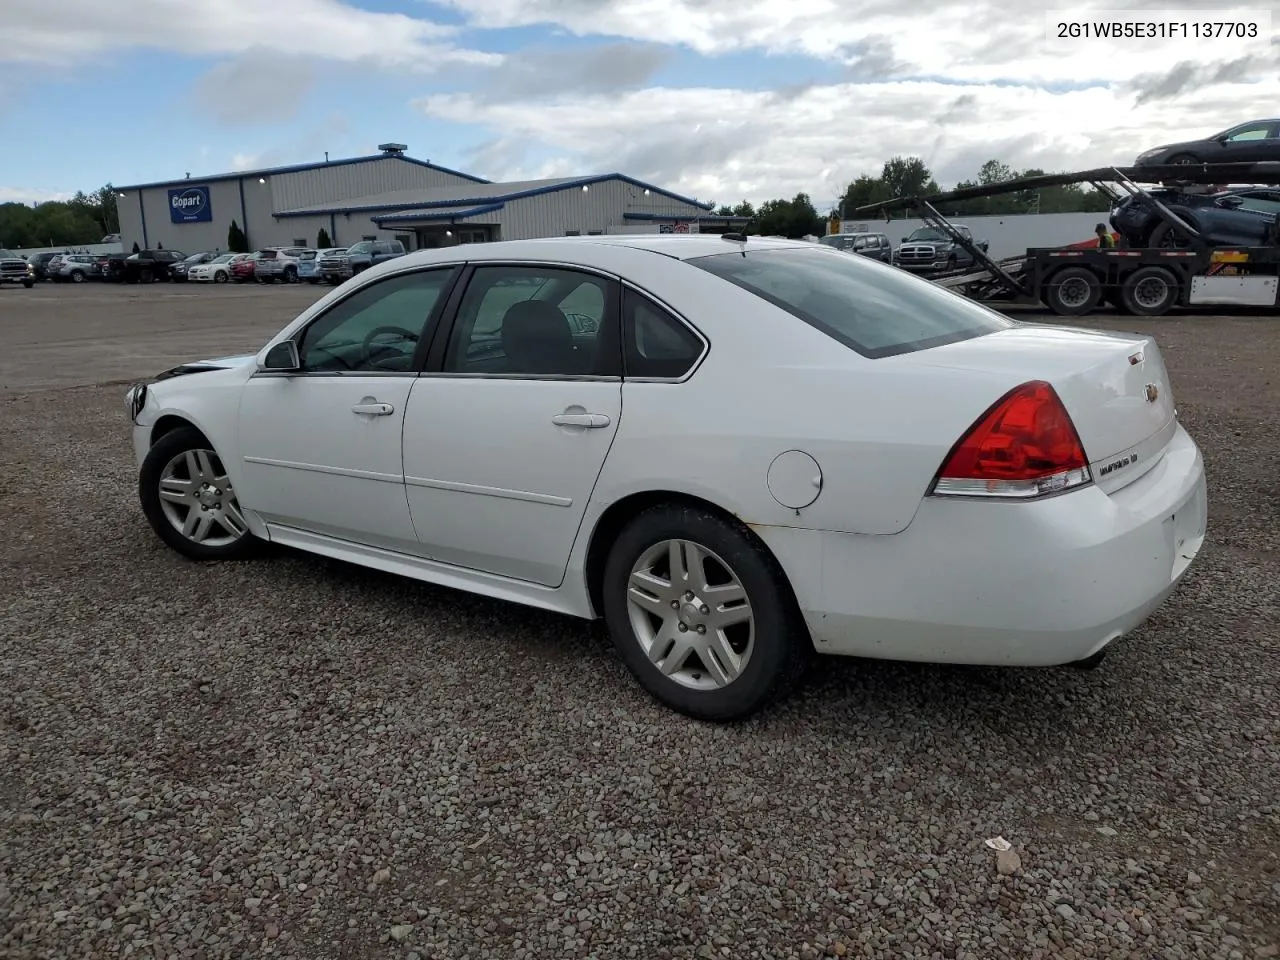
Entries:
{"x":1152,"y":392}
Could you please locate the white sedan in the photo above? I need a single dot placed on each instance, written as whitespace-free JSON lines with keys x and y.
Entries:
{"x":217,"y":270}
{"x":735,"y":451}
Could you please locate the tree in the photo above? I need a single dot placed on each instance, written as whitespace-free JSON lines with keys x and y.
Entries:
{"x":136,"y":248}
{"x":237,"y":242}
{"x":322,"y":240}
{"x":794,"y":218}
{"x":907,"y":177}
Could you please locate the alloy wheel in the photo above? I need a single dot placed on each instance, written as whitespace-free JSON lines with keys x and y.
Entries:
{"x":690,"y":614}
{"x":198,"y":501}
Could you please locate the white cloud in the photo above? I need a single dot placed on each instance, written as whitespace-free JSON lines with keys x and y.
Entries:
{"x":971,"y":40}
{"x":327,"y":29}
{"x":729,"y":144}
{"x":30,"y":195}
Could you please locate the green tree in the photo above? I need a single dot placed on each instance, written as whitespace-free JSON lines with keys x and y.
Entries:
{"x":237,"y":242}
{"x":322,"y":240}
{"x":136,"y":248}
{"x":792,"y":218}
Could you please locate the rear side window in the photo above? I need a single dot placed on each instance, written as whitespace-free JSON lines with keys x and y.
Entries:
{"x":873,"y":309}
{"x":656,"y":344}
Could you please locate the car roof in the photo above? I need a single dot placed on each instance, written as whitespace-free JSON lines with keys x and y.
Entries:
{"x":679,"y":247}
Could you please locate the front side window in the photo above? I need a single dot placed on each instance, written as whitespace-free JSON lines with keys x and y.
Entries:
{"x":378,"y":328}
{"x":1255,"y":131}
{"x":535,"y":321}
{"x":1261,"y":203}
{"x":364,"y":247}
{"x":874,"y":310}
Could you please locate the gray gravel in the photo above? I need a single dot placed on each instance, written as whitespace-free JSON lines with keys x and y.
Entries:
{"x":296,"y":758}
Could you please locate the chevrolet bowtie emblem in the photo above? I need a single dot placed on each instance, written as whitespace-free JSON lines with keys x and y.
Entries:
{"x":1152,"y":392}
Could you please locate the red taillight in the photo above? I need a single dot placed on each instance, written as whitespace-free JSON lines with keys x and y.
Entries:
{"x":1024,"y":446}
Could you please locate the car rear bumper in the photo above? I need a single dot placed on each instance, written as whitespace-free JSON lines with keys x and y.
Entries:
{"x":1011,"y":584}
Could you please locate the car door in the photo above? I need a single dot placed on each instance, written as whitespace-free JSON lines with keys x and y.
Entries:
{"x":507,"y":430}
{"x":1250,"y":142}
{"x":321,"y":444}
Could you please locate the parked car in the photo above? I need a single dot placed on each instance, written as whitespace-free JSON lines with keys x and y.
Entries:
{"x":929,"y":250}
{"x":359,"y":257}
{"x":873,"y":245}
{"x":1245,"y":143}
{"x":39,"y":262}
{"x":145,"y":266}
{"x":180,"y":271}
{"x":278,"y":263}
{"x":14,"y":269}
{"x":309,"y":262}
{"x":216,"y":270}
{"x":243,"y":270}
{"x":75,"y":268}
{"x":948,"y":455}
{"x":1242,"y":216}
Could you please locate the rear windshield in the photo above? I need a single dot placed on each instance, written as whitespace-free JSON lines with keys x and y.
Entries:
{"x":307,"y":255}
{"x":266,"y":254}
{"x":874,"y":309}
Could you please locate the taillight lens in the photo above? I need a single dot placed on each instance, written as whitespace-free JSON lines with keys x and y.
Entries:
{"x":1024,"y":446}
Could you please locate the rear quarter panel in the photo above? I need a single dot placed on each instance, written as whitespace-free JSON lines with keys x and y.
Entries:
{"x":769,"y":384}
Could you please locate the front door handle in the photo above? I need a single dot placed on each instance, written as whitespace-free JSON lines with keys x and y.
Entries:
{"x":590,"y":420}
{"x":374,"y":409}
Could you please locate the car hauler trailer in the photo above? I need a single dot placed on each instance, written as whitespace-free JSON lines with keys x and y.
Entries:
{"x":1073,"y":281}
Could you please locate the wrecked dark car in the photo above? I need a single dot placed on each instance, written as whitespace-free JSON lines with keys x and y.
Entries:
{"x":1237,"y":217}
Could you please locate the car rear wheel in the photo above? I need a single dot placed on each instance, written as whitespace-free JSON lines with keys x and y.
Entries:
{"x":77,"y":276}
{"x":1073,"y":292}
{"x":188,"y":499}
{"x":290,"y":275}
{"x":701,"y":614}
{"x":1149,"y":292}
{"x":220,"y":276}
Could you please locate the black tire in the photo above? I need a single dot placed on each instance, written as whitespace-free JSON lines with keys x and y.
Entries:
{"x":28,"y":284}
{"x":779,"y":648}
{"x":145,"y":276}
{"x":77,"y":276}
{"x":290,"y":274}
{"x":219,"y":276}
{"x":1073,"y":292}
{"x":171,"y":445}
{"x":1150,"y":292}
{"x":1169,"y":237}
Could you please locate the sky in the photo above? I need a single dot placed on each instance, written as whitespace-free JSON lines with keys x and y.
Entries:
{"x":723,"y":100}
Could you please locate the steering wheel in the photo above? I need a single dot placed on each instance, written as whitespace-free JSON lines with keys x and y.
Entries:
{"x":366,"y":348}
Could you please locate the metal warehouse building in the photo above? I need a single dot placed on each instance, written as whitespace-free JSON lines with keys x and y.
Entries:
{"x":393,"y":196}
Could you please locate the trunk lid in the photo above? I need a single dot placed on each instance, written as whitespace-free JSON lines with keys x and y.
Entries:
{"x":1114,"y":385}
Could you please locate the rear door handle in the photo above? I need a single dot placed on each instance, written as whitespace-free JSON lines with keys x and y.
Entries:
{"x":590,"y":420}
{"x":373,"y":409}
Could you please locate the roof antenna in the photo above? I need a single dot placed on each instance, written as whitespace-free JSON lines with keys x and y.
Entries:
{"x":326,"y":156}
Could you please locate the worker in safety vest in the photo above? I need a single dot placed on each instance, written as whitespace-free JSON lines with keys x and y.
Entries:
{"x":1105,"y":240}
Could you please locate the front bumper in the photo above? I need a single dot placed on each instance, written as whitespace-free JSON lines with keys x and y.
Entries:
{"x":1033,"y":584}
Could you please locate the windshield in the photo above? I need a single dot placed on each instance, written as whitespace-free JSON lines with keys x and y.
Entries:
{"x":225,"y":258}
{"x":876,"y":310}
{"x":927,"y":233}
{"x":195,"y":258}
{"x":365,"y":247}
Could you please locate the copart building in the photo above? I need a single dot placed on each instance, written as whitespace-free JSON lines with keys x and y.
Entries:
{"x":391,"y":195}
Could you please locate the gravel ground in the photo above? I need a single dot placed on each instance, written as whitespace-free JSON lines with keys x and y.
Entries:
{"x":296,"y":758}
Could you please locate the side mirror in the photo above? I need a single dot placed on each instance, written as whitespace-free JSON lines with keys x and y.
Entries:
{"x":1231,"y":203}
{"x":283,"y":357}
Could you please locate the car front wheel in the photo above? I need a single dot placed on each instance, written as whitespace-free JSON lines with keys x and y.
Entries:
{"x":701,"y":614}
{"x":188,"y":499}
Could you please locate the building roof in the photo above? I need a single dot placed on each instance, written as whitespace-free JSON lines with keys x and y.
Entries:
{"x":300,"y":168}
{"x":412,"y":203}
